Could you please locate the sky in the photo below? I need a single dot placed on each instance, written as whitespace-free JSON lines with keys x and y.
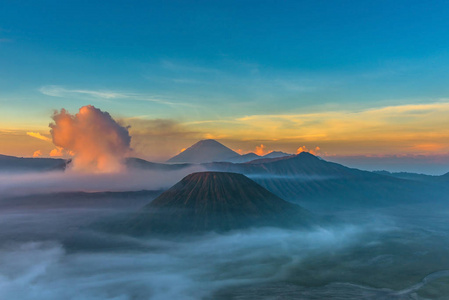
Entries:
{"x":354,"y":78}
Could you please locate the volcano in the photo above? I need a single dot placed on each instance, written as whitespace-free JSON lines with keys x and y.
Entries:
{"x":205,"y":151}
{"x":216,"y":201}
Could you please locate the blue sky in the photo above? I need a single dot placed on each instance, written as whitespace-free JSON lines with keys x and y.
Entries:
{"x":196,"y":61}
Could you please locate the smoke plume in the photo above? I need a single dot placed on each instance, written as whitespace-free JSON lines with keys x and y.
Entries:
{"x":97,"y":141}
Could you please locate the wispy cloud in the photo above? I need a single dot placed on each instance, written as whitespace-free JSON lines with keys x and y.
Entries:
{"x":158,"y":139}
{"x":159,"y":127}
{"x":237,"y":81}
{"x":39,"y":136}
{"x":59,"y":91}
{"x":412,"y":128}
{"x":6,"y":131}
{"x":209,"y":122}
{"x":410,"y":119}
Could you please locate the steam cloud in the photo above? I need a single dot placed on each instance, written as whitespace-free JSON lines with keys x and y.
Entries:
{"x":315,"y":151}
{"x":97,"y":141}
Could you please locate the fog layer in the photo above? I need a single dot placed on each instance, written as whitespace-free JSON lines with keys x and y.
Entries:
{"x":17,"y":184}
{"x":52,"y":254}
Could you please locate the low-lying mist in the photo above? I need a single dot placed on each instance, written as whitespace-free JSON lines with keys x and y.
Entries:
{"x":19,"y":184}
{"x":54,"y":254}
{"x":68,"y":267}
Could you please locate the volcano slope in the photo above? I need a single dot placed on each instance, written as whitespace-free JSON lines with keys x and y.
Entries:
{"x":325,"y":186}
{"x":216,"y":201}
{"x":320,"y":185}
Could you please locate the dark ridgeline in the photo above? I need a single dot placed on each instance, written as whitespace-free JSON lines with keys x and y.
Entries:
{"x":27,"y":164}
{"x":303,"y":178}
{"x":317,"y":183}
{"x":216,"y":201}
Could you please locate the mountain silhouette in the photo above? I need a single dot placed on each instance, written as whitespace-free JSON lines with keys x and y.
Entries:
{"x":13,"y":163}
{"x":216,"y":201}
{"x":244,"y":158}
{"x":311,"y":181}
{"x":204,"y":151}
{"x":248,"y":157}
{"x":276,"y":154}
{"x":305,"y":163}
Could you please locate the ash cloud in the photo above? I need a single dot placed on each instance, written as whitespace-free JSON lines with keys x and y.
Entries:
{"x":97,"y":142}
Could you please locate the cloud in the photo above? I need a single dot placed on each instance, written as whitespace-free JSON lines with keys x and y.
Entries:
{"x":98,"y":143}
{"x":57,"y":152}
{"x":414,"y":128}
{"x":159,"y":139}
{"x":389,"y":129}
{"x":188,"y":269}
{"x":315,"y":151}
{"x":160,"y":127}
{"x":260,"y":150}
{"x":37,"y":153}
{"x":59,"y":91}
{"x":386,"y":122}
{"x":239,"y":151}
{"x":39,"y":136}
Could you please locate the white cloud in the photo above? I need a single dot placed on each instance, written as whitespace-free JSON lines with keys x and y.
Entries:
{"x":39,"y":136}
{"x":59,"y":91}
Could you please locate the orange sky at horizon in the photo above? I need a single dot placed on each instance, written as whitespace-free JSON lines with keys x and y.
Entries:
{"x":418,"y":129}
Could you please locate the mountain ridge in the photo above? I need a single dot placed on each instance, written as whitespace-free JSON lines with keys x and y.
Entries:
{"x":206,"y":151}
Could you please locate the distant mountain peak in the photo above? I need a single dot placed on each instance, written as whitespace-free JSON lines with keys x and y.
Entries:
{"x":204,"y":151}
{"x":207,"y":142}
{"x":275,"y":154}
{"x":209,"y":150}
{"x":306,"y":155}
